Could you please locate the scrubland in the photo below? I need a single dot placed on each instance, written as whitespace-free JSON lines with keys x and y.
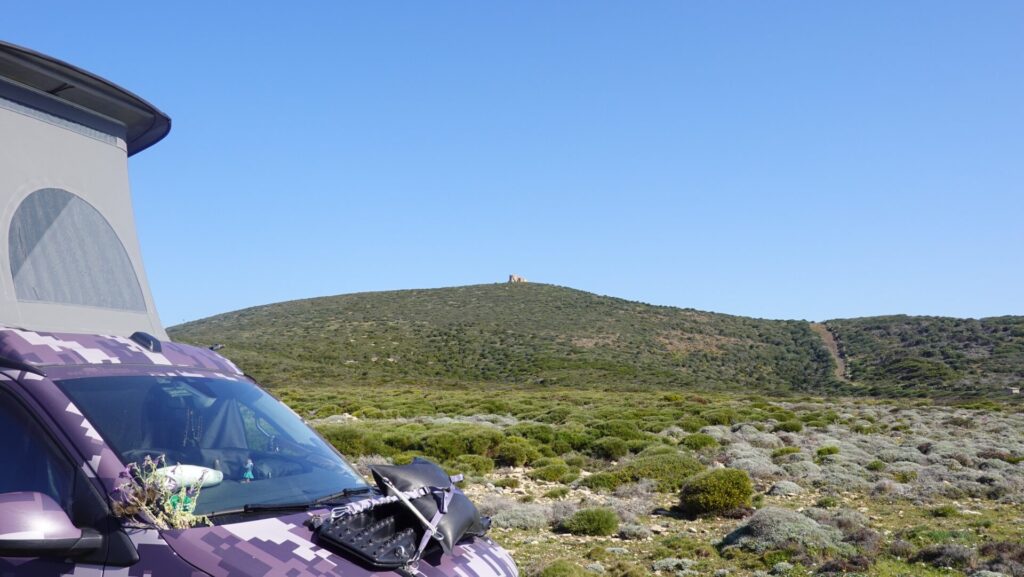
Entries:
{"x":622,"y":481}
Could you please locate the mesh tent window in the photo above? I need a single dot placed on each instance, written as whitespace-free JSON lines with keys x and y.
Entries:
{"x":62,"y":250}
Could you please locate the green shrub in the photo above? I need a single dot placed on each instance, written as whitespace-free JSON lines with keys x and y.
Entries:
{"x":827,"y":502}
{"x":450,"y":441}
{"x":516,"y":452}
{"x":471,"y":465}
{"x":574,"y":460}
{"x":557,"y":493}
{"x":543,"y":434}
{"x":355,"y":441}
{"x":720,"y":417}
{"x":507,"y":483}
{"x":828,"y":450}
{"x":904,"y":476}
{"x":699,"y":441}
{"x":668,"y":470}
{"x":783,"y":451}
{"x":624,"y":429}
{"x":563,"y":568}
{"x":716,"y":491}
{"x":792,"y":426}
{"x":612,"y":448}
{"x":692,"y":424}
{"x":596,"y":521}
{"x":875,"y":466}
{"x":600,"y":482}
{"x":555,"y":472}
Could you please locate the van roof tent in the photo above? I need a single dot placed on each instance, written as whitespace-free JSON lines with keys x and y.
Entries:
{"x":69,"y":254}
{"x":143,"y":124}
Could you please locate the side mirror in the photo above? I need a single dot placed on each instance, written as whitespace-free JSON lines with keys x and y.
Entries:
{"x":34,"y":525}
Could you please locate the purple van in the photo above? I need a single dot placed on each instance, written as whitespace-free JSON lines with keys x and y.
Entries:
{"x":125,"y":454}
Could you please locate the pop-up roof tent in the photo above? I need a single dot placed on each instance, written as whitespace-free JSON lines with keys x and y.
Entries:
{"x":69,"y":253}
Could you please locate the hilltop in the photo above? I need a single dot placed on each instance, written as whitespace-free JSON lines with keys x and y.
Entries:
{"x":548,"y":335}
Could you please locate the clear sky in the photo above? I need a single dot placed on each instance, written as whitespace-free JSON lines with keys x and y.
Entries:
{"x":775,"y":159}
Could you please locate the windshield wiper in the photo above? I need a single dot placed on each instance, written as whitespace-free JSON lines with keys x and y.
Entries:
{"x":327,"y":501}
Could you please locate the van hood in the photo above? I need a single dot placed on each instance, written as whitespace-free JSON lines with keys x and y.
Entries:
{"x":283,"y":546}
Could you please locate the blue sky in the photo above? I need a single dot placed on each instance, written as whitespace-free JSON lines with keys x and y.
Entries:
{"x":784,"y":160}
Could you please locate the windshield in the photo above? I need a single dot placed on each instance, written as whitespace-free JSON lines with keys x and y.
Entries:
{"x":263,"y":451}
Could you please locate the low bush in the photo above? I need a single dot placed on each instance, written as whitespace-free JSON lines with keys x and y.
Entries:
{"x":562,"y":568}
{"x":716,"y":491}
{"x":595,"y":521}
{"x":875,"y":466}
{"x":634,"y":532}
{"x":520,"y":516}
{"x":470,"y":465}
{"x":507,"y":483}
{"x":773,"y":529}
{"x":699,"y":442}
{"x":516,"y":452}
{"x":904,"y":476}
{"x":669,"y":470}
{"x":611,"y":448}
{"x":555,"y":472}
{"x":600,"y":482}
{"x":828,"y":450}
{"x":946,"y":555}
{"x":557,"y":493}
{"x":793,"y":426}
{"x":783,"y":451}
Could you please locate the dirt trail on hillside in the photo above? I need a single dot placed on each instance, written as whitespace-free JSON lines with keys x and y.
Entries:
{"x":830,"y":343}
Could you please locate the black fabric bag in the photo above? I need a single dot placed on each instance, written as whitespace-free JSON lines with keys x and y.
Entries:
{"x":461,"y":519}
{"x":390,"y":535}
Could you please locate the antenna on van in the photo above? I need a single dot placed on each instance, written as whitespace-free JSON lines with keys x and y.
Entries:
{"x":147,"y":341}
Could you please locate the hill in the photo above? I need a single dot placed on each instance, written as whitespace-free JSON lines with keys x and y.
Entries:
{"x":899,"y":355}
{"x":549,"y":335}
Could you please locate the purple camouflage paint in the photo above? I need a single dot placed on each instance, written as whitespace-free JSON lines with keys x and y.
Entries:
{"x":27,"y":515}
{"x":276,"y":546}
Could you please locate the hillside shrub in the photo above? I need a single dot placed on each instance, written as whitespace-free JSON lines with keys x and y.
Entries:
{"x":563,"y":568}
{"x":600,"y":482}
{"x":516,"y":452}
{"x":692,"y":424}
{"x":557,"y":493}
{"x":875,"y":466}
{"x":627,"y":430}
{"x":716,"y":491}
{"x":773,"y":529}
{"x":904,"y":476}
{"x":946,"y":555}
{"x":555,"y":472}
{"x":699,"y":442}
{"x":594,"y":521}
{"x":355,"y":441}
{"x":793,"y":426}
{"x":827,"y":450}
{"x":520,"y":516}
{"x":611,"y":448}
{"x":720,"y":417}
{"x":450,"y":441}
{"x":783,"y":451}
{"x":470,"y":465}
{"x":668,"y":470}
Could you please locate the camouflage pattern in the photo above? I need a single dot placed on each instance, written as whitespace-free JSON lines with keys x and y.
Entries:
{"x":266,"y":547}
{"x":34,"y":516}
{"x":46,"y":349}
{"x":282,"y":547}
